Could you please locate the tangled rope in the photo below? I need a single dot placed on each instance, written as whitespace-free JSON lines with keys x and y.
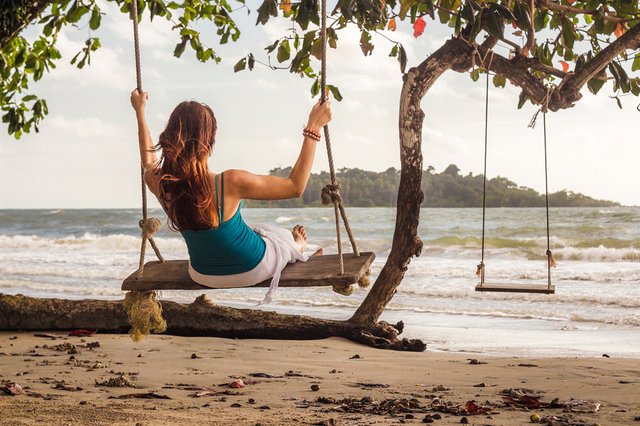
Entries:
{"x":145,"y":314}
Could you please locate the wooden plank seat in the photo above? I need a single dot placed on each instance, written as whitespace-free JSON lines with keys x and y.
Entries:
{"x":517,"y":288}
{"x":317,"y":271}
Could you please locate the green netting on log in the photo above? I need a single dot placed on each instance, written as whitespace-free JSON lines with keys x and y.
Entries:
{"x":145,"y":314}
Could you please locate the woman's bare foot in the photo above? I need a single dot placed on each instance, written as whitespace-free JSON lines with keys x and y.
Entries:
{"x":300,"y":237}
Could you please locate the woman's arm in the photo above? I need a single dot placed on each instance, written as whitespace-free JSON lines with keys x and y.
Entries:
{"x":148,"y":157}
{"x":243,"y":184}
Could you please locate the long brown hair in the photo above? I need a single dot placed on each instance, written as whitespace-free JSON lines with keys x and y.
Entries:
{"x":185,"y":185}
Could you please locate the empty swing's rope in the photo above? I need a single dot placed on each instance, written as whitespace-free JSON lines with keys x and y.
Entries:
{"x":331,"y":192}
{"x":149,"y":226}
{"x":551,"y":262}
{"x":480,"y":269}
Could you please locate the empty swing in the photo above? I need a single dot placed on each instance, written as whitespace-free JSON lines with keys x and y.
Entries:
{"x":317,"y":271}
{"x":547,"y":288}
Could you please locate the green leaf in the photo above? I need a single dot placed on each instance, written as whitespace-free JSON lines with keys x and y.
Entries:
{"x":596,"y":83}
{"x":468,"y":12}
{"x":521,"y":14}
{"x":499,"y":80}
{"x":315,"y":88}
{"x":618,"y":101}
{"x":76,"y":12}
{"x":568,"y":32}
{"x":29,"y":98}
{"x":405,"y":6}
{"x":272,"y":47}
{"x":179,"y":50}
{"x":94,"y":22}
{"x":267,"y":9}
{"x":308,"y":40}
{"x":503,"y":11}
{"x":75,"y":58}
{"x":332,"y":38}
{"x":620,"y":76}
{"x":458,"y":24}
{"x":494,"y":24}
{"x":365,"y":43}
{"x":540,"y":21}
{"x":522,"y":99}
{"x":635,"y":66}
{"x":240,"y":65}
{"x":284,"y":51}
{"x":402,"y":58}
{"x":443,"y":15}
{"x":316,"y":49}
{"x":335,"y":92}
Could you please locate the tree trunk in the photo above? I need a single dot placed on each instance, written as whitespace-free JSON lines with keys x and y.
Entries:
{"x":406,"y":242}
{"x":200,"y":318}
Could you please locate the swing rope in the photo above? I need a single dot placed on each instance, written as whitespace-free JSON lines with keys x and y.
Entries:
{"x":480,"y":268}
{"x":331,"y":192}
{"x":551,"y":262}
{"x":148,"y":226}
{"x":143,"y":308}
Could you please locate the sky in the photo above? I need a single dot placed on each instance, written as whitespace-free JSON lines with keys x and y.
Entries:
{"x":85,"y":155}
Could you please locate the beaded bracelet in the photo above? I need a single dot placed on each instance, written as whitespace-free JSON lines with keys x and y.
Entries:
{"x":311,"y":134}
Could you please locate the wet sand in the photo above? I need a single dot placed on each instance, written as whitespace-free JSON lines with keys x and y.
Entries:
{"x":184,"y":380}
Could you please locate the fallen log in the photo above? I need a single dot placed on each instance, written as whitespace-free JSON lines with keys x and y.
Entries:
{"x":200,"y":318}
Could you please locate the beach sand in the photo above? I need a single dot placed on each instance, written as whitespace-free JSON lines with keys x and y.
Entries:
{"x":359,"y":385}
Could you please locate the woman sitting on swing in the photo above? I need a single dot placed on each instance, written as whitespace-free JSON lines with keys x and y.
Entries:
{"x":205,"y":207}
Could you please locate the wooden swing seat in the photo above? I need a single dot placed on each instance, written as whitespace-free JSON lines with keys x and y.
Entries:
{"x":517,"y":288}
{"x":317,"y":271}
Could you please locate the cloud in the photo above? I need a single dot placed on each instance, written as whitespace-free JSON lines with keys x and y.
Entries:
{"x":83,"y":127}
{"x":156,"y":33}
{"x":106,"y":69}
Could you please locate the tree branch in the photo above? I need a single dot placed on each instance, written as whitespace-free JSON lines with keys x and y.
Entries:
{"x":551,"y":5}
{"x":569,"y":90}
{"x":515,"y":70}
{"x":535,"y":64}
{"x":12,"y":22}
{"x":531,"y":39}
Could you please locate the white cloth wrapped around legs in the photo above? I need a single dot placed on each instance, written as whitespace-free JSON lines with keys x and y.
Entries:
{"x":280,"y":249}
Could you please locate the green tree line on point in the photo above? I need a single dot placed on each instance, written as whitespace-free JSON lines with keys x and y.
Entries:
{"x":450,"y":188}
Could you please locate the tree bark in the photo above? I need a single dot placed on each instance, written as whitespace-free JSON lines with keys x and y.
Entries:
{"x":200,"y":318}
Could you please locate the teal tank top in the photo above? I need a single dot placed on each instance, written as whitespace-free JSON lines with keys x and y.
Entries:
{"x":230,"y":248}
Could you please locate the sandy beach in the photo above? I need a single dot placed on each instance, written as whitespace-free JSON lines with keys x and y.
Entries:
{"x":108,"y":379}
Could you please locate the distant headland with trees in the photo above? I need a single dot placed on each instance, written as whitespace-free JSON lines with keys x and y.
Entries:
{"x":450,"y":188}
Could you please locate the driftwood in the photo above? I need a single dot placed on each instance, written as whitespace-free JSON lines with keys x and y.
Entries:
{"x":200,"y":318}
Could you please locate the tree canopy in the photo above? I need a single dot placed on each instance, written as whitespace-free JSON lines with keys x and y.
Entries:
{"x":550,"y":49}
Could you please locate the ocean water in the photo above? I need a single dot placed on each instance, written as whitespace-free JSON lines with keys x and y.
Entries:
{"x":596,"y":309}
